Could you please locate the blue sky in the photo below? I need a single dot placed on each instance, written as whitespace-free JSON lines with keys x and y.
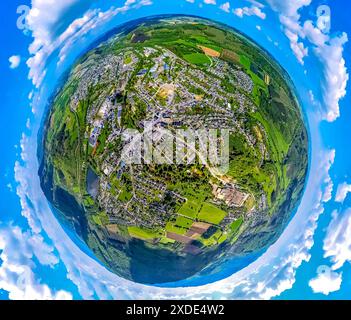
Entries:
{"x":312,"y":258}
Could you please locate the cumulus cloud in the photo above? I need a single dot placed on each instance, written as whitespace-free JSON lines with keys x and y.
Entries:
{"x":250,"y":11}
{"x":225,"y":7}
{"x":43,"y":21}
{"x":16,"y":270}
{"x":289,"y":17}
{"x":312,"y":98}
{"x":335,"y":74}
{"x":326,"y":281}
{"x":342,"y":192}
{"x":129,"y":2}
{"x":337,"y":243}
{"x":327,"y":48}
{"x":14,"y":62}
{"x":298,"y":48}
{"x":210,"y":1}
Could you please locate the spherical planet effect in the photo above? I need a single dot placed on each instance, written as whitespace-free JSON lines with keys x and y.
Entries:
{"x":167,"y":213}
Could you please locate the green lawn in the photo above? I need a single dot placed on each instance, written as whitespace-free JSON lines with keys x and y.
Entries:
{"x":217,"y":238}
{"x":183,"y":42}
{"x":143,"y":234}
{"x":197,"y":58}
{"x":245,"y":61}
{"x":183,"y":222}
{"x":190,"y":209}
{"x":128,"y":60}
{"x":101,"y":219}
{"x":171,"y":227}
{"x":211,"y":214}
{"x":234,"y":227}
{"x":125,"y":196}
{"x":222,"y":238}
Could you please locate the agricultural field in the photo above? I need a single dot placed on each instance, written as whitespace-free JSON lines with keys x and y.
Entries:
{"x":212,"y":214}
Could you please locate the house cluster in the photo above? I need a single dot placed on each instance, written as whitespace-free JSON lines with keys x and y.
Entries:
{"x":170,"y":89}
{"x":230,"y":194}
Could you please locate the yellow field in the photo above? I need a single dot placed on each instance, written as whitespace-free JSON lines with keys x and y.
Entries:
{"x":210,"y":52}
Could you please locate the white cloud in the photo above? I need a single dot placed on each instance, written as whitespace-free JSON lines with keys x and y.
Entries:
{"x":341,"y":193}
{"x":326,"y":281}
{"x":16,"y":270}
{"x":313,"y":34}
{"x":225,"y":7}
{"x":256,"y":3}
{"x":329,"y":51}
{"x":298,"y":48}
{"x":327,"y":48}
{"x":43,"y":18}
{"x":210,"y":1}
{"x":14,"y":61}
{"x":30,"y":95}
{"x":289,"y":17}
{"x":328,"y":189}
{"x":335,"y":75}
{"x":250,"y":11}
{"x":129,"y":2}
{"x":312,"y":97}
{"x":258,"y":27}
{"x":288,"y":8}
{"x":337,"y":243}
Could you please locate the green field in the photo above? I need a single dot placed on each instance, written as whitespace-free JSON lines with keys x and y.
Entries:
{"x":197,"y":58}
{"x":143,"y":234}
{"x":190,"y":208}
{"x":245,"y":61}
{"x":234,"y":227}
{"x":184,"y":222}
{"x":211,"y":214}
{"x":101,"y":219}
{"x":172,"y":227}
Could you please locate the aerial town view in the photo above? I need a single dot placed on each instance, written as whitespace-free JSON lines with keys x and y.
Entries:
{"x":153,"y":221}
